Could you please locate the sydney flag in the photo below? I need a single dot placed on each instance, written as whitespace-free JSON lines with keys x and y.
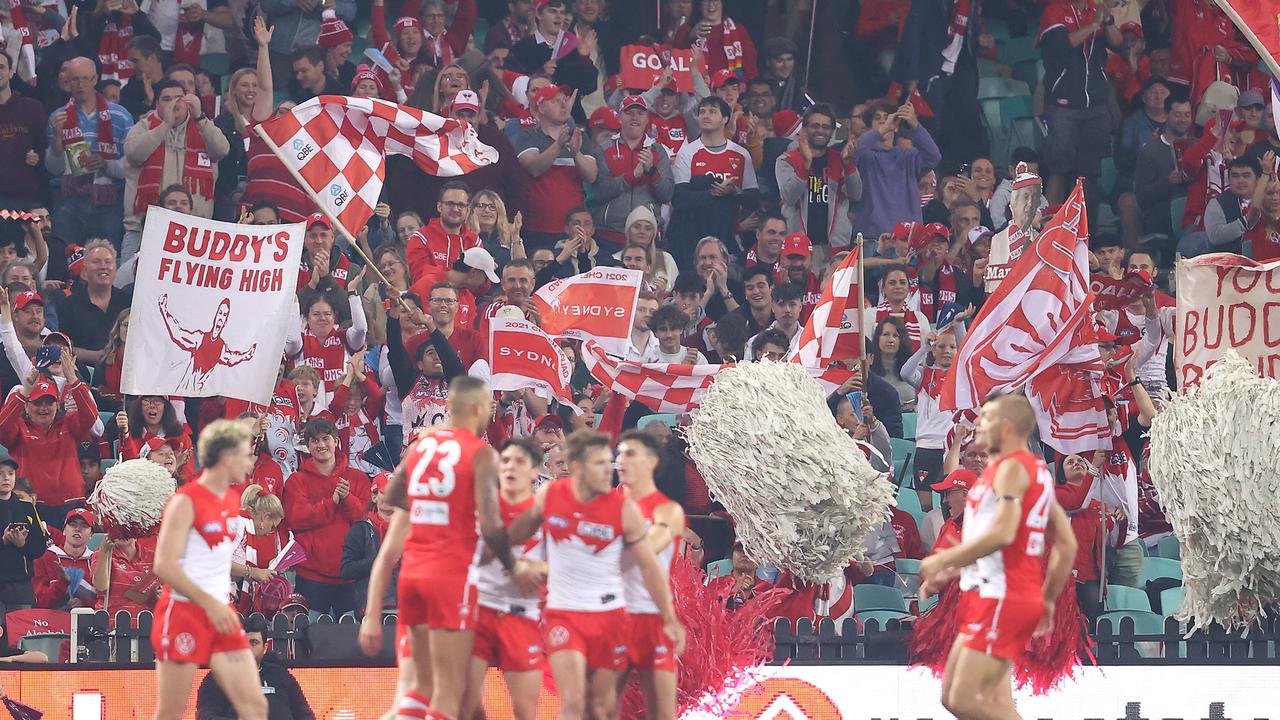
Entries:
{"x":1031,"y":321}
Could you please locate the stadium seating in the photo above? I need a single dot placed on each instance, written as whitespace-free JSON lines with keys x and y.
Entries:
{"x":882,"y":617}
{"x":1171,"y":599}
{"x":1169,"y":547}
{"x":1144,"y":622}
{"x":1158,"y":567}
{"x":909,"y":425}
{"x":878,"y":597}
{"x":667,"y":419}
{"x":1123,"y":597}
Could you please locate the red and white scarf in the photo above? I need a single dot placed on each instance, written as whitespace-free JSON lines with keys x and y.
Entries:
{"x":187,"y":42}
{"x":197,"y":169}
{"x":438,"y":49}
{"x":105,"y":146}
{"x":929,"y":301}
{"x":883,"y":311}
{"x":18,"y":17}
{"x":112,"y":57}
{"x":955,"y":36}
{"x":732,"y":46}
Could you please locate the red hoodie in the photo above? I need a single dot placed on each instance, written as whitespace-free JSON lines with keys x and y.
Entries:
{"x":48,"y":457}
{"x":432,"y":245}
{"x":319,"y":525}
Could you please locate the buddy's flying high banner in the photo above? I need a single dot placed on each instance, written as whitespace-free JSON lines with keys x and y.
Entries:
{"x":595,"y":305}
{"x":1226,"y":302}
{"x":211,"y":306}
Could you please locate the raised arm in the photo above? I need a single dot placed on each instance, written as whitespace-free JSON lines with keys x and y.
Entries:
{"x":188,"y":340}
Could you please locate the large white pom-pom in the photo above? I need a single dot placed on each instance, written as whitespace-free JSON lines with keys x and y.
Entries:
{"x":131,"y":496}
{"x":801,"y":493}
{"x":1215,"y":459}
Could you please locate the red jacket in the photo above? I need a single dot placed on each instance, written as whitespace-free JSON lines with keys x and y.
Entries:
{"x":319,"y":525}
{"x":48,"y":457}
{"x":49,"y":577}
{"x":432,"y":245}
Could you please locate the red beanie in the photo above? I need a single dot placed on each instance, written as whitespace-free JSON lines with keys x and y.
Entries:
{"x":334,"y":32}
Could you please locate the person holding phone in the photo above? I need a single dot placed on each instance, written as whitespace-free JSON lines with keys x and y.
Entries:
{"x":23,"y":541}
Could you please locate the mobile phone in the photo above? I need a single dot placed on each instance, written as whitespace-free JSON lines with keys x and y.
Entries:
{"x":47,"y":355}
{"x":966,"y":170}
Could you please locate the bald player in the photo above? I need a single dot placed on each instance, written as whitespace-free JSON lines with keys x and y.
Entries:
{"x":1007,"y":595}
{"x":448,"y":483}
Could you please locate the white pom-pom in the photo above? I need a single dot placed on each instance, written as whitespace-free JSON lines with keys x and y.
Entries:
{"x":801,"y":493}
{"x":1216,"y":464}
{"x":131,"y":496}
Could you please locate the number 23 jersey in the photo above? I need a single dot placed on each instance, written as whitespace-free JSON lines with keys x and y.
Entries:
{"x":1018,"y":569}
{"x":443,"y":537}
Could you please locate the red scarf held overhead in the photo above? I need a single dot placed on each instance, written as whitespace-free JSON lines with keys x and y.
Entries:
{"x":187,"y":42}
{"x":19,"y":19}
{"x":197,"y":170}
{"x":112,"y":56}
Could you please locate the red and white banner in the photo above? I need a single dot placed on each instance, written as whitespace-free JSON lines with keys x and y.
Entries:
{"x":673,"y":387}
{"x":1030,"y":322}
{"x":1226,"y":302}
{"x":522,"y":356}
{"x":1112,"y":294}
{"x":1257,"y":21}
{"x":338,"y":146}
{"x":833,"y":331}
{"x":595,"y":305}
{"x":640,"y":66}
{"x":212,"y":304}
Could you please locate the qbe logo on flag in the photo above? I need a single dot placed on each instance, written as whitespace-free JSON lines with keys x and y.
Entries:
{"x":302,"y":149}
{"x":339,"y":194}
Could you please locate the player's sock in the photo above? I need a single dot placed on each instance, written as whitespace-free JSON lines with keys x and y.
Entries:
{"x":413,"y":707}
{"x":433,"y":715}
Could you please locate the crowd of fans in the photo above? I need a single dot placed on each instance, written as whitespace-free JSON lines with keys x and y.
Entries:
{"x":736,"y":200}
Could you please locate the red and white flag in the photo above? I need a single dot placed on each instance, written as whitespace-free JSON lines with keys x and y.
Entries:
{"x":1070,"y":413}
{"x":338,"y":145}
{"x":1030,"y":322}
{"x":522,"y":356}
{"x":1257,"y":21}
{"x":673,"y":387}
{"x":595,"y":305}
{"x":832,"y":331}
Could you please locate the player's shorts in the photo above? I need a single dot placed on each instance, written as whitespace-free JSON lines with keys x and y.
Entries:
{"x":1000,"y":627}
{"x":600,"y":636}
{"x":182,"y":633}
{"x":648,"y":647}
{"x":508,"y":642}
{"x":436,"y":602}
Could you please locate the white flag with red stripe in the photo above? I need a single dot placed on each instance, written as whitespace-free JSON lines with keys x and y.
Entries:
{"x":522,"y":356}
{"x":339,"y":145}
{"x":832,"y":331}
{"x":673,"y":387}
{"x":1030,"y":322}
{"x":595,"y":305}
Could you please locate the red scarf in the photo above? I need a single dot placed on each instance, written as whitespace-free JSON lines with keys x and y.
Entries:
{"x":19,"y":19}
{"x":111,"y":51}
{"x":732,"y":46}
{"x":79,"y":185}
{"x":379,"y":524}
{"x":197,"y":169}
{"x":187,"y":42}
{"x":908,"y":318}
{"x":438,"y":49}
{"x":931,"y":302}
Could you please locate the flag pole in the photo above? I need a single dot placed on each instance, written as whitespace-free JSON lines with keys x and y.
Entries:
{"x":337,"y":224}
{"x":862,"y":300}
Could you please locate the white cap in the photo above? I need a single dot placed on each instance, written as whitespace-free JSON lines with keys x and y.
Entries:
{"x":478,"y":258}
{"x":509,"y":311}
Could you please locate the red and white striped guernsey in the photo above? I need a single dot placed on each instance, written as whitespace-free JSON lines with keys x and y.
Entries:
{"x":639,"y":601}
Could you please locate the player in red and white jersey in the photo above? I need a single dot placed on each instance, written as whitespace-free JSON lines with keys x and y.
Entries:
{"x":586,"y":528}
{"x":447,"y":482}
{"x":194,"y":622}
{"x":650,"y":651}
{"x":507,"y":634}
{"x":1007,"y":594}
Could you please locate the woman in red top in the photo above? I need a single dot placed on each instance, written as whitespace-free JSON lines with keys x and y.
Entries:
{"x":122,"y":575}
{"x":154,"y":416}
{"x":324,"y":346}
{"x":266,"y":538}
{"x":106,"y":376}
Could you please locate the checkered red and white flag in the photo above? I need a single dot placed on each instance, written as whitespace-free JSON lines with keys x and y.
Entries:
{"x":338,"y":145}
{"x":832,"y":332}
{"x":673,"y":387}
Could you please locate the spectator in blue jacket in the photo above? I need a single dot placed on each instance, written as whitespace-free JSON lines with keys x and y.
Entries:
{"x":890,"y":171}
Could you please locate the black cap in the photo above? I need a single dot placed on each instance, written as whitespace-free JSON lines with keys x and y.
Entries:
{"x":1104,"y":240}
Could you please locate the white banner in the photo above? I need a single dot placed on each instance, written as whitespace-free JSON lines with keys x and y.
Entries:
{"x":211,"y":305}
{"x":595,"y":305}
{"x":883,"y":692}
{"x":1226,"y":302}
